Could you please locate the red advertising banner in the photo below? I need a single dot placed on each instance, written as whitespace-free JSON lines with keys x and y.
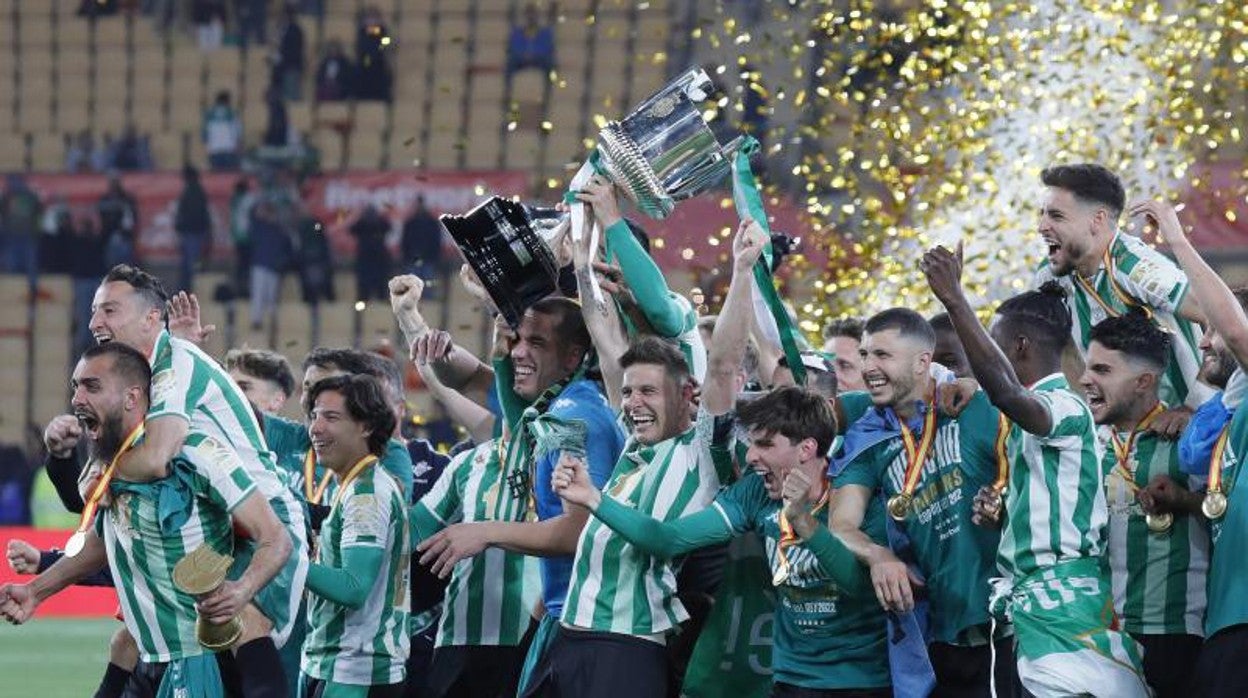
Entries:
{"x":74,"y":601}
{"x":692,"y":238}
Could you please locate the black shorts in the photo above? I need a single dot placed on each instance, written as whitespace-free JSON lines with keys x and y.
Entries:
{"x":962,"y":672}
{"x":1222,"y":670}
{"x":144,"y":681}
{"x":1170,"y":663}
{"x":785,"y":690}
{"x":476,"y":671}
{"x":315,"y":688}
{"x":603,"y":665}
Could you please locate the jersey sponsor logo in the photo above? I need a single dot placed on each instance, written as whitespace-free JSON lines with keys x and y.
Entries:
{"x":216,"y":453}
{"x":162,"y":385}
{"x":1150,"y":277}
{"x":362,"y":510}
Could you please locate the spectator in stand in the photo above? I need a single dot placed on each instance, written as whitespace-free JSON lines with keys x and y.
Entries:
{"x":21,"y":212}
{"x":58,"y":229}
{"x":241,"y":201}
{"x":209,"y":19}
{"x":79,"y":151}
{"x":289,"y":63}
{"x":193,"y":223}
{"x":253,"y":20}
{"x":373,"y":76}
{"x":270,"y":258}
{"x":422,"y":247}
{"x":119,"y":222}
{"x":222,"y":134}
{"x":333,"y":76}
{"x":531,"y":45}
{"x":102,"y":155}
{"x":315,"y":263}
{"x":277,"y":132}
{"x":87,"y":267}
{"x":372,"y":259}
{"x":131,"y":153}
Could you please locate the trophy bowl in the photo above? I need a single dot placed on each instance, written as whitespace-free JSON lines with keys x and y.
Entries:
{"x":199,"y":574}
{"x":664,"y":151}
{"x":505,"y":244}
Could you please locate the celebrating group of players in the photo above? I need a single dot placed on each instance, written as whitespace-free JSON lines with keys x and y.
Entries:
{"x":1054,"y":512}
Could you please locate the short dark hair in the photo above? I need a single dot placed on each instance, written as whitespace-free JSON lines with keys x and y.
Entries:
{"x":1090,"y":183}
{"x":941,"y":322}
{"x":366,"y":403}
{"x":384,"y":369}
{"x":796,"y":413}
{"x":907,"y":322}
{"x":1136,"y":336}
{"x":128,"y":362}
{"x":148,"y":287}
{"x":351,"y":361}
{"x":570,"y":327}
{"x":1041,"y":314}
{"x":263,"y":364}
{"x":659,"y":352}
{"x":850,"y":327}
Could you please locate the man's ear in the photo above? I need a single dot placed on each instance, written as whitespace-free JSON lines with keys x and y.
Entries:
{"x":1022,"y":346}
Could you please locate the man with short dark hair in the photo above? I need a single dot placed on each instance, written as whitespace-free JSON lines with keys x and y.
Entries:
{"x":841,"y":339}
{"x":1106,"y":272}
{"x":1157,"y":542}
{"x":830,"y":636}
{"x":357,"y":640}
{"x":148,"y":528}
{"x":948,"y":351}
{"x":927,"y":466}
{"x":1054,"y":589}
{"x":265,"y":377}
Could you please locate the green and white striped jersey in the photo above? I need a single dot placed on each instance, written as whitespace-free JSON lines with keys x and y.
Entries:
{"x":144,"y":544}
{"x":490,"y":598}
{"x":369,"y":645}
{"x":689,"y":341}
{"x":1158,"y":579}
{"x":614,"y":586}
{"x":1055,"y":501}
{"x":1148,"y":279}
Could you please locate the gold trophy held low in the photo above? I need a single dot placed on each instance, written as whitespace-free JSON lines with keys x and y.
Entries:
{"x":199,"y":574}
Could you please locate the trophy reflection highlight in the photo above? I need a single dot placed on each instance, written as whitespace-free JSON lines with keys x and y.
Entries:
{"x":199,"y":574}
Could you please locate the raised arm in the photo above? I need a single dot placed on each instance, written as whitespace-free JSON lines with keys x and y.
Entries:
{"x":727,"y":348}
{"x":1219,"y":305}
{"x":991,"y":368}
{"x":19,"y":601}
{"x":606,"y":330}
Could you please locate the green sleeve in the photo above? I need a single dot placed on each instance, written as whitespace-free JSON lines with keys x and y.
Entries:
{"x":665,"y":540}
{"x":863,"y":470}
{"x":347,"y":585}
{"x":511,"y":404}
{"x":645,"y":280}
{"x":839,"y":563}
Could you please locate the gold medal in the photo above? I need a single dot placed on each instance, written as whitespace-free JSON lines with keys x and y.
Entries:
{"x":899,"y":506}
{"x":1214,"y":505}
{"x":1159,"y":523}
{"x":75,"y":544}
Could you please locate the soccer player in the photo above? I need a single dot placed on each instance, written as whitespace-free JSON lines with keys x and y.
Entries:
{"x":1054,"y":589}
{"x":1158,"y":542}
{"x":192,"y":394}
{"x":357,"y":641}
{"x":1106,"y":272}
{"x":841,"y":339}
{"x":830,"y":634}
{"x":1221,"y":670}
{"x":141,"y":537}
{"x":929,"y":467}
{"x":541,"y":386}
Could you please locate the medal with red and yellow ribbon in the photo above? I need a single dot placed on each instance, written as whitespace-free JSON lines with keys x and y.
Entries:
{"x":311,"y":490}
{"x":1157,"y":523}
{"x":1107,"y":262}
{"x":789,"y":538}
{"x":916,"y":455}
{"x":74,"y":545}
{"x":1214,"y":504}
{"x":997,"y":488}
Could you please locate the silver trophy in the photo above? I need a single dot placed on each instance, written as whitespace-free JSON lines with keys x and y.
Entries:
{"x":664,"y":152}
{"x":507,"y":244}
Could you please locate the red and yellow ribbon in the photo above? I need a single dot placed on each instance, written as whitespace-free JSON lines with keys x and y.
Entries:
{"x":92,"y":503}
{"x":916,"y":454}
{"x":789,"y":538}
{"x":1107,"y":262}
{"x":1122,"y":450}
{"x":314,"y":492}
{"x":1003,"y":458}
{"x":1215,"y":462}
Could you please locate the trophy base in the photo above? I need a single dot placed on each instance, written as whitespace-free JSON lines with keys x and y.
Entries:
{"x":218,"y":637}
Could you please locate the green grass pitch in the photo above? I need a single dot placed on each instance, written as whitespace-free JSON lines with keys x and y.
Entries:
{"x":55,"y":657}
